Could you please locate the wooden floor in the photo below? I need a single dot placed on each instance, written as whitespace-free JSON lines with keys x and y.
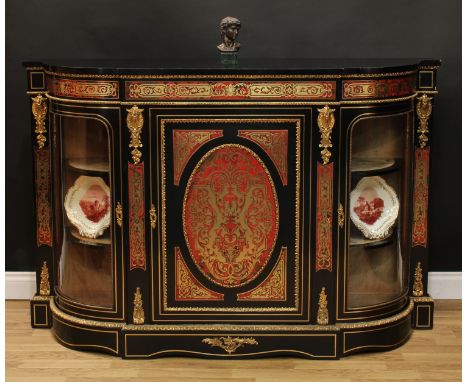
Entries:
{"x":34,"y":355}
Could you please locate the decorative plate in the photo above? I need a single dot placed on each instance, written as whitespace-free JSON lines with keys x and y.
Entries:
{"x":87,"y":205}
{"x":374,"y":207}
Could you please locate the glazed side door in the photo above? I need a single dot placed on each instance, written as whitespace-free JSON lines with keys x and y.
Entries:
{"x":229,"y":187}
{"x":87,"y":189}
{"x":375,"y":185}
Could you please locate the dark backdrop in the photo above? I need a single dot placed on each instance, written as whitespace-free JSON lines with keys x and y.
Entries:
{"x":271,"y":28}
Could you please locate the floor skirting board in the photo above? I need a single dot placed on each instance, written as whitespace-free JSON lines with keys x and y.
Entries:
{"x":442,"y":285}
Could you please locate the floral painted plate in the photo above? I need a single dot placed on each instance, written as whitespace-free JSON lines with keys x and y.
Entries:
{"x":374,"y":207}
{"x":87,"y":205}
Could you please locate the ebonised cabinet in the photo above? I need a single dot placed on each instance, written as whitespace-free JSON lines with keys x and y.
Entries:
{"x":232,"y":212}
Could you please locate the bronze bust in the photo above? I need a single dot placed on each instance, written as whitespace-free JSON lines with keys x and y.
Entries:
{"x":230,"y":27}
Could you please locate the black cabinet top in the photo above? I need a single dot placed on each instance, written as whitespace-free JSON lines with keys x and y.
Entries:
{"x":265,"y":66}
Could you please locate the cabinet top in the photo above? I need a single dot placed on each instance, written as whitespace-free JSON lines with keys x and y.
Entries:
{"x":339,"y":66}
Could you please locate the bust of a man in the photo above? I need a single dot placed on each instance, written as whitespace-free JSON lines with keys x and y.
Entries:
{"x":230,"y":27}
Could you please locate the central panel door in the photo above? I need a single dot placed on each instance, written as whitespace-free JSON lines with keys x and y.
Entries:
{"x":230,"y":243}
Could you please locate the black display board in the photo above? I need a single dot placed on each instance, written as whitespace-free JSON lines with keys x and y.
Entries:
{"x":175,"y":29}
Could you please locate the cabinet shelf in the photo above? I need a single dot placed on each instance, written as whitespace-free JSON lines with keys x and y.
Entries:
{"x":89,"y":165}
{"x":100,"y":241}
{"x":355,"y":241}
{"x":367,"y":167}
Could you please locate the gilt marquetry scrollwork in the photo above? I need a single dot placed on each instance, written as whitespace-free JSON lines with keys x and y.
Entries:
{"x":275,"y":144}
{"x":274,"y":287}
{"x":326,"y":121}
{"x":324,"y":218}
{"x":39,"y":110}
{"x":186,"y":143}
{"x":424,"y":110}
{"x":135,"y":124}
{"x":44,"y":287}
{"x":138,"y":312}
{"x":420,"y":196}
{"x":187,"y":287}
{"x":418,"y":287}
{"x":322,"y":314}
{"x":43,"y":209}
{"x":136,"y":215}
{"x":229,"y":344}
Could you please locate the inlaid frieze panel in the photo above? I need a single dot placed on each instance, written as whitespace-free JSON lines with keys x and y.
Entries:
{"x":230,"y":90}
{"x":273,"y":288}
{"x":275,"y":144}
{"x":379,"y":88}
{"x":187,"y":287}
{"x":186,"y":143}
{"x":230,"y":215}
{"x":83,"y":88}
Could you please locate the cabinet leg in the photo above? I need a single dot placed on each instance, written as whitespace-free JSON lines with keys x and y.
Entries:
{"x":423,"y":313}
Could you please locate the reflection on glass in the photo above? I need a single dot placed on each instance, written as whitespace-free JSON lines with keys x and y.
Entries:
{"x":86,"y":261}
{"x":378,"y":181}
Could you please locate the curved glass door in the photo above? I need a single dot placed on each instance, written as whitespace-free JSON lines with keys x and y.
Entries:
{"x":86,"y":260}
{"x":378,"y":209}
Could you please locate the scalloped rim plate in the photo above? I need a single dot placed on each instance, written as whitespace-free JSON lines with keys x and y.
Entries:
{"x":381,"y":228}
{"x":75,"y":214}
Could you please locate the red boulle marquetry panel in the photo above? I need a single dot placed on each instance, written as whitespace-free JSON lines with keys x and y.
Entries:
{"x":395,"y":87}
{"x":43,"y":213}
{"x":324,"y":213}
{"x":230,"y":215}
{"x":274,"y":287}
{"x":187,"y":287}
{"x":186,"y":143}
{"x":421,"y":196}
{"x":230,"y":90}
{"x":83,"y":88}
{"x":136,"y":206}
{"x":275,"y":144}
